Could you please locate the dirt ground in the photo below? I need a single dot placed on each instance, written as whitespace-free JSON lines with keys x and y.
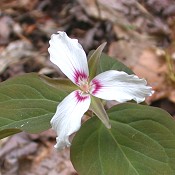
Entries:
{"x":140,"y":33}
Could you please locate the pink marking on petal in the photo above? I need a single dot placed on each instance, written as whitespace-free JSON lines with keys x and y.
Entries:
{"x":80,"y":97}
{"x":79,"y":76}
{"x":96,"y":86}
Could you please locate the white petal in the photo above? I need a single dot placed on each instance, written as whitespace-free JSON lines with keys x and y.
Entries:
{"x":67,"y":118}
{"x":119,"y":86}
{"x":69,"y":56}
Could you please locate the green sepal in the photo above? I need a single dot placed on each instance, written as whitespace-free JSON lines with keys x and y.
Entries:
{"x":98,"y":108}
{"x":94,"y":61}
{"x":59,"y":83}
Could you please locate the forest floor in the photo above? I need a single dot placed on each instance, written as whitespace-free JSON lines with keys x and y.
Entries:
{"x":139,"y":33}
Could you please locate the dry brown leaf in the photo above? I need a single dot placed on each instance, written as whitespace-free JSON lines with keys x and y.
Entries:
{"x":131,"y":16}
{"x":6,"y":24}
{"x":128,"y":51}
{"x":153,"y":69}
{"x":25,"y":154}
{"x":14,"y":52}
{"x":16,"y":148}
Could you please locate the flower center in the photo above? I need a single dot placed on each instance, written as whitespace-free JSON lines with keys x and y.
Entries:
{"x":89,"y":88}
{"x":85,"y":87}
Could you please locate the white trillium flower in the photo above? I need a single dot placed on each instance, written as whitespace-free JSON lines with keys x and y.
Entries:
{"x":70,"y":57}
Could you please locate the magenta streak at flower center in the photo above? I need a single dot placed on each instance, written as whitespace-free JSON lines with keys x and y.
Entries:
{"x":96,"y":86}
{"x":78,"y":76}
{"x":80,"y":97}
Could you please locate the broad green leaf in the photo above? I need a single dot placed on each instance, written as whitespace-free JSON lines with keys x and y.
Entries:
{"x":141,"y":141}
{"x":27,"y":103}
{"x":94,"y":61}
{"x":108,"y":63}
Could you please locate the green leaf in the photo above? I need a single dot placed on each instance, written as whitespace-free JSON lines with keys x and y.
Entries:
{"x":27,"y":103}
{"x":94,"y":61}
{"x":141,"y":141}
{"x":108,"y":63}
